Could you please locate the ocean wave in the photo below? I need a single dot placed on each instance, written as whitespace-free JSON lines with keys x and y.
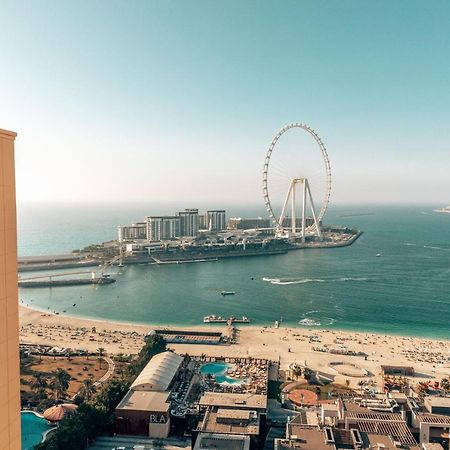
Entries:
{"x":410,"y":244}
{"x":308,"y":322}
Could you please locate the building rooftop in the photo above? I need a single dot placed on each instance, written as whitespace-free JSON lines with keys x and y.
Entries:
{"x":398,"y":431}
{"x":440,"y":402}
{"x":309,"y":439}
{"x":305,"y":419}
{"x":432,"y":446}
{"x":233,"y":414}
{"x":434,"y":418}
{"x":215,"y":422}
{"x":242,"y":401}
{"x":370,"y":415}
{"x":158,"y":373}
{"x":145,"y":401}
{"x":222,"y":442}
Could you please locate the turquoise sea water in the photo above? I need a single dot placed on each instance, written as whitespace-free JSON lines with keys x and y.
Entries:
{"x":33,"y":428}
{"x":403,"y":291}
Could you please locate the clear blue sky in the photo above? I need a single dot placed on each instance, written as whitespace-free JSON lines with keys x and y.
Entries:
{"x":179,"y":100}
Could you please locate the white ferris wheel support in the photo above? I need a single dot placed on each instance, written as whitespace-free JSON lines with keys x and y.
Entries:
{"x":306,"y":194}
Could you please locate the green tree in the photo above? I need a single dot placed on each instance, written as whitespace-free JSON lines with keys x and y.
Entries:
{"x":307,"y":374}
{"x":111,"y":395}
{"x":77,"y":429}
{"x":61,"y":383}
{"x":88,"y":389}
{"x":154,"y":344}
{"x":297,"y":371}
{"x":39,"y":386}
{"x":318,"y":391}
{"x":445,"y":384}
{"x":101,"y":353}
{"x":39,"y":382}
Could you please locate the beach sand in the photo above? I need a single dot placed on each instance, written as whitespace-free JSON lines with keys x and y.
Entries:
{"x":430,"y":358}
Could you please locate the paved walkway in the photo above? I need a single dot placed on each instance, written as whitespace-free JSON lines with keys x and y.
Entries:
{"x":109,"y":373}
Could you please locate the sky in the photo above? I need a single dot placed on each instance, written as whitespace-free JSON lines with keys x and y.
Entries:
{"x":119,"y":101}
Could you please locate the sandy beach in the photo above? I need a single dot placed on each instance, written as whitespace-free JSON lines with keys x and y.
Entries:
{"x":430,"y":358}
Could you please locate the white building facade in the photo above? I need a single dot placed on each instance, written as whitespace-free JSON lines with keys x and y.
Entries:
{"x":163,"y":227}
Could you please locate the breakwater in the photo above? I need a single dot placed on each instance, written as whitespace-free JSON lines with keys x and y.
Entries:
{"x":67,"y":282}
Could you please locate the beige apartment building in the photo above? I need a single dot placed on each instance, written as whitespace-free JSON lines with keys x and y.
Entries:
{"x":9,"y":315}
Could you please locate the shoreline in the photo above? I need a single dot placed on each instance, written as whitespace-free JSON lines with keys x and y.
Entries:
{"x":212,"y":326}
{"x":429,"y":357}
{"x":28,"y":312}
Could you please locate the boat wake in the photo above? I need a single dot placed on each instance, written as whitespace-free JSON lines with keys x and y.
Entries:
{"x":410,"y":244}
{"x":287,"y":281}
{"x":436,"y":248}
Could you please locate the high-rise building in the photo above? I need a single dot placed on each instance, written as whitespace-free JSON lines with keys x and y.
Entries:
{"x":215,"y":220}
{"x":136,"y":231}
{"x":237,"y":223}
{"x":163,"y":227}
{"x":202,"y":221}
{"x":189,"y":222}
{"x":9,"y":315}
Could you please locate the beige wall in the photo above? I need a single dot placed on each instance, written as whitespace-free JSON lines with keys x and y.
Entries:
{"x":9,"y":319}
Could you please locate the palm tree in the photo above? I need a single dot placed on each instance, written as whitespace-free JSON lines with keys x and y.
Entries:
{"x":39,"y":385}
{"x":307,"y":374}
{"x":445,"y":384}
{"x":88,"y":389}
{"x":40,"y":381}
{"x":62,"y":380}
{"x":297,"y":371}
{"x":318,"y":391}
{"x":101,"y":353}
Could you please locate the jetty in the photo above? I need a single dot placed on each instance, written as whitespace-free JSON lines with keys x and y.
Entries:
{"x":50,"y":282}
{"x":228,"y":321}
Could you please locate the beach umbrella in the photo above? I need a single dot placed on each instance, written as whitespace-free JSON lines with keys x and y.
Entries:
{"x":58,"y":412}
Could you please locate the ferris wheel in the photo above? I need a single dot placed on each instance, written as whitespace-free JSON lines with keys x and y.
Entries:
{"x":294,"y":161}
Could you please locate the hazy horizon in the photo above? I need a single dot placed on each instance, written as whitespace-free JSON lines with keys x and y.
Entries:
{"x":176,"y":101}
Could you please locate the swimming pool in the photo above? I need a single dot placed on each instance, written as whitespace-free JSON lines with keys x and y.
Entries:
{"x":34,"y":429}
{"x":218,"y":370}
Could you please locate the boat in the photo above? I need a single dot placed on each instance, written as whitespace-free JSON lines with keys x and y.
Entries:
{"x":230,"y":320}
{"x":378,"y":255}
{"x":227,"y":293}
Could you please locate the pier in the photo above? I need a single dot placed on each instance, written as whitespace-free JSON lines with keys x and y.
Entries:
{"x":48,"y":281}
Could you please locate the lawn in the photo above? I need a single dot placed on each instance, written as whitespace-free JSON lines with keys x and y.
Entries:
{"x":79,"y":367}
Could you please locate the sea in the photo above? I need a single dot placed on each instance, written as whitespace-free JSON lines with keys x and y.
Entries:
{"x":404,"y":290}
